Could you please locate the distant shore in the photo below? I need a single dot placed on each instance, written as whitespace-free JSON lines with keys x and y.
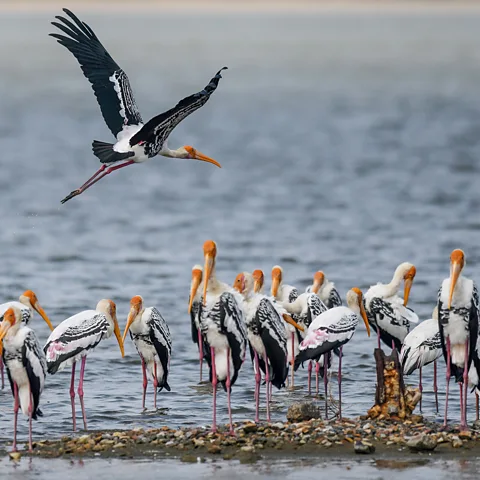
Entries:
{"x":225,"y":6}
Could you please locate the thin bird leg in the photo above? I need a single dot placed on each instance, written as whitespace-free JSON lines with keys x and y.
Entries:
{"x":214,"y":385}
{"x":80,"y":391}
{"x":340,"y":353}
{"x":317,"y":371}
{"x":72,"y":397}
{"x":465,"y":385}
{"x":378,"y":336}
{"x":292,"y":361}
{"x":310,"y":377}
{"x":229,"y":391}
{"x":420,"y":387}
{"x":258,"y":378}
{"x":325,"y":381}
{"x":448,"y":381}
{"x":267,"y":381}
{"x":155,"y":384}
{"x":145,"y":382}
{"x":2,"y":373}
{"x":30,"y":415}
{"x":477,"y":402}
{"x":16,"y":405}
{"x":461,"y":404}
{"x":393,"y":345}
{"x":200,"y":351}
{"x":97,"y":177}
{"x":435,"y":388}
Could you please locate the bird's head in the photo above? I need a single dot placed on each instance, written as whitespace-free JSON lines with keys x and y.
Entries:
{"x":108,"y":307}
{"x":136,"y":307}
{"x":197,"y":273}
{"x":277,"y":273}
{"x":10,"y":318}
{"x":209,"y":253}
{"x":258,"y":279}
{"x":457,"y":262}
{"x":355,"y":302}
{"x":318,"y":279}
{"x":192,"y":154}
{"x":408,"y":279}
{"x":244,"y":283}
{"x":29,"y":299}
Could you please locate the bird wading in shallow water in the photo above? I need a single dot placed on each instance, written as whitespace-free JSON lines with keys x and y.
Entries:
{"x":137,"y":141}
{"x":26,"y":368}
{"x":151,"y":337}
{"x":75,"y":338}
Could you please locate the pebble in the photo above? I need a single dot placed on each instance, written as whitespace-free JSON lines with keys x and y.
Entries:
{"x":363,"y":447}
{"x":301,"y":411}
{"x":422,"y":442}
{"x":248,"y":448}
{"x":456,"y":442}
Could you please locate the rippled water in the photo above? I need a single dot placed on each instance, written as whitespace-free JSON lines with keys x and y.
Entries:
{"x":348,"y":143}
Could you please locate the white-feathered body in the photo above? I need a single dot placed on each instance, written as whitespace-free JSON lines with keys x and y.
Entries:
{"x":328,"y":294}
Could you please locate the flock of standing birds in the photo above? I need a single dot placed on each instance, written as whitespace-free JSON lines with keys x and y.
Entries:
{"x":282,"y":330}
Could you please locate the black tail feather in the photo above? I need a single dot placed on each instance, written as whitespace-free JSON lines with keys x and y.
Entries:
{"x":106,"y":154}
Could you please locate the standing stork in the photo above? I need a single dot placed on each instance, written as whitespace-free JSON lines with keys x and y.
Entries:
{"x":223,"y":324}
{"x":26,"y":368}
{"x":137,"y":141}
{"x":267,"y":337}
{"x":151,"y":337}
{"x":27,"y":303}
{"x":195,"y":310}
{"x":387,"y":313}
{"x":458,"y":313}
{"x":325,"y":290}
{"x":75,"y":338}
{"x":421,"y":347}
{"x":333,"y":329}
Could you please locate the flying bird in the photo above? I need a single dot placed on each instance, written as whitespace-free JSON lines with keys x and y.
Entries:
{"x":26,"y":368}
{"x":137,"y":141}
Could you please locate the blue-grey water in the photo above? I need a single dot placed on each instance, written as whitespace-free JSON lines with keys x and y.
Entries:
{"x":349,"y":143}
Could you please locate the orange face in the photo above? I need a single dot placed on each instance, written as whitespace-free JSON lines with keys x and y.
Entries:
{"x":457,"y":262}
{"x":239,"y":283}
{"x":318,"y":279}
{"x":8,"y":321}
{"x":196,"y":281}
{"x":196,"y":155}
{"x":276,"y":280}
{"x":258,"y":279}
{"x":210,"y":253}
{"x":363,"y":313}
{"x":408,"y":278}
{"x":32,"y":298}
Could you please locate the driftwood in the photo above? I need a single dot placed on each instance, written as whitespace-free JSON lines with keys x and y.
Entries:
{"x":392,"y":399}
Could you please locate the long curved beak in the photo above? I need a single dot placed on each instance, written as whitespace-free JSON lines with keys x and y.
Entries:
{"x":193,"y":291}
{"x":4,"y":327}
{"x":257,"y":286}
{"x":363,"y":313}
{"x":132,"y":315}
{"x":207,"y":272}
{"x":291,"y":321}
{"x":200,"y":156}
{"x":116,"y":331}
{"x":275,"y":285}
{"x":406,"y":291}
{"x":456,"y":270}
{"x":42,"y":313}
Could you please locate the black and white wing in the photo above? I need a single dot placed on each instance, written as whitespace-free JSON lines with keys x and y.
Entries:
{"x":334,"y":299}
{"x":162,"y":341}
{"x":315,"y":307}
{"x":109,"y":82}
{"x":78,"y":334}
{"x":272,"y":331}
{"x":293,"y":295}
{"x":33,"y":360}
{"x":156,"y":131}
{"x":474,"y":332}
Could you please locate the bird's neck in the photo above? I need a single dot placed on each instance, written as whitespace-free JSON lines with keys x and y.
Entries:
{"x":167,"y":152}
{"x":392,"y":288}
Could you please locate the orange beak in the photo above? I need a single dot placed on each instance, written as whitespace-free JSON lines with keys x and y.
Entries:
{"x":8,"y":321}
{"x":275,"y":286}
{"x":42,"y":313}
{"x":209,"y":261}
{"x":456,"y":270}
{"x":134,"y":310}
{"x":363,"y":313}
{"x":200,"y":156}
{"x":291,"y":321}
{"x":406,"y":291}
{"x":118,"y":335}
{"x":196,"y":280}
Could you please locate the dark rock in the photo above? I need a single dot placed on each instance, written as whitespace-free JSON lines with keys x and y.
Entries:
{"x":422,"y":442}
{"x":363,"y":447}
{"x":301,"y":411}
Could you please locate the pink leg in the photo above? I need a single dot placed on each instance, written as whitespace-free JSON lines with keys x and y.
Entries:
{"x":310,"y":377}
{"x":317,"y":371}
{"x":155,"y":385}
{"x":200,"y":351}
{"x":340,"y":382}
{"x":16,"y":405}
{"x":449,"y":359}
{"x":435,"y":388}
{"x":30,"y":414}
{"x":101,"y":172}
{"x":229,"y":391}
{"x":80,"y":391}
{"x":420,"y":387}
{"x":465,"y":387}
{"x":325,"y":381}
{"x":145,"y":383}
{"x":460,"y":385}
{"x":267,"y":381}
{"x":258,"y":378}
{"x":393,"y":345}
{"x":2,"y":373}
{"x":292,"y":361}
{"x":72,"y":397}
{"x":214,"y":385}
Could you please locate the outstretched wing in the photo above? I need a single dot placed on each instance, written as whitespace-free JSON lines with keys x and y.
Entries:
{"x":109,"y":81}
{"x":162,"y":341}
{"x":156,"y":131}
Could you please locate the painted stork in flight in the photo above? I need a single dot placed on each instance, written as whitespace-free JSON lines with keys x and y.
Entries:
{"x":388,"y":313}
{"x":224,"y":326}
{"x":458,"y":314}
{"x":26,"y":368}
{"x":137,"y":141}
{"x":333,"y":329}
{"x":325,"y":289}
{"x":151,"y":337}
{"x":267,"y":337}
{"x":421,"y":347}
{"x":75,"y":338}
{"x":27,"y":303}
